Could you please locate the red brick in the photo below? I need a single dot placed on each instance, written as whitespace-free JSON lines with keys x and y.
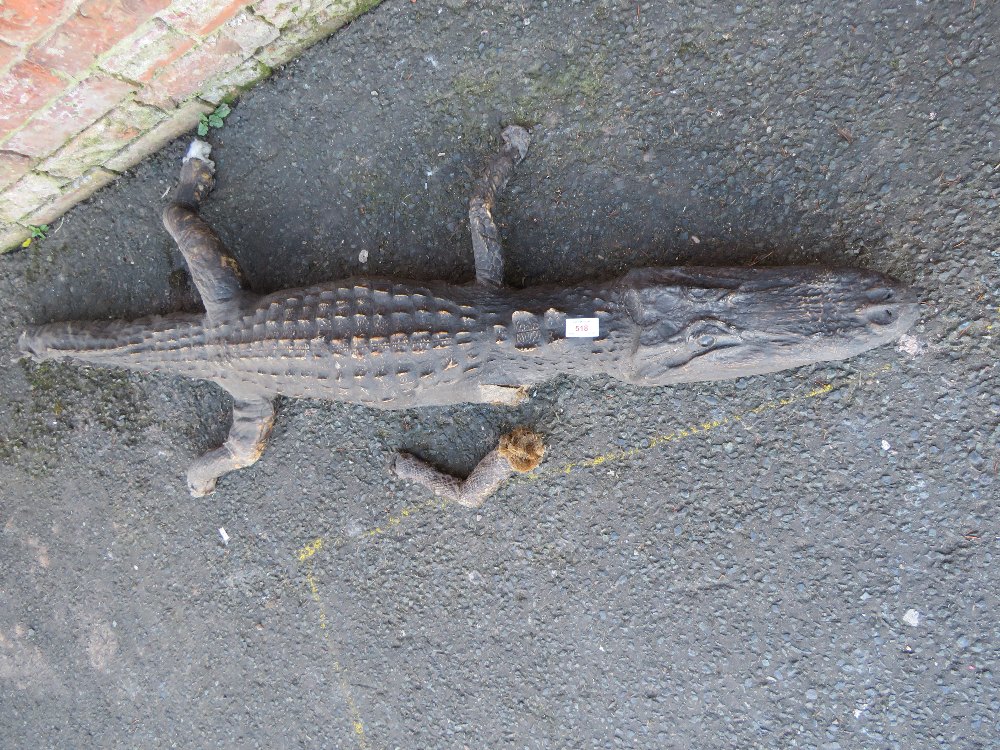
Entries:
{"x":301,"y":26}
{"x":154,"y":48}
{"x":282,"y":12}
{"x":97,"y":27}
{"x":250,"y":32}
{"x":77,"y":191}
{"x":24,"y":21}
{"x":200,"y":17}
{"x":246,"y":74}
{"x":25,"y":89}
{"x":220,"y":53}
{"x":32,"y":191}
{"x":11,"y":237}
{"x":12,"y":167}
{"x":182,"y":79}
{"x":181,"y":121}
{"x":8,"y":54}
{"x":70,"y":114}
{"x":102,"y":140}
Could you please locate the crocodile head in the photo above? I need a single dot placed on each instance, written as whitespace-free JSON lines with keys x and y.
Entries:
{"x":714,"y":324}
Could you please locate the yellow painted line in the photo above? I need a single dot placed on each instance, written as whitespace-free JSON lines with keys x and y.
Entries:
{"x":308,"y":552}
{"x":989,"y":326}
{"x":694,"y":430}
{"x":357,"y":725}
{"x":393,"y":521}
{"x":699,"y":429}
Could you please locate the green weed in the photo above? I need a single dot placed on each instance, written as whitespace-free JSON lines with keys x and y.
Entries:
{"x":215,"y":119}
{"x":39,"y":232}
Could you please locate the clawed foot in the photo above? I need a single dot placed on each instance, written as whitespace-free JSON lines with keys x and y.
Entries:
{"x":200,"y":488}
{"x":517,"y":138}
{"x":200,"y":150}
{"x":197,"y":174}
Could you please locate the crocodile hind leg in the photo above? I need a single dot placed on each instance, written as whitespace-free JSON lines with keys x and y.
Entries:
{"x":485,"y":238}
{"x":253,"y":417}
{"x":521,"y":450}
{"x":215,"y":272}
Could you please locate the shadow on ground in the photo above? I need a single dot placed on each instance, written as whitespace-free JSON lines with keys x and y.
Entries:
{"x":766,"y":562}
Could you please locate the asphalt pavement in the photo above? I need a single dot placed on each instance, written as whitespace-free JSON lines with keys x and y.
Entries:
{"x":798,"y":560}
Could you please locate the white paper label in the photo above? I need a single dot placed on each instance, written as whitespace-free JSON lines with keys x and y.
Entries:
{"x":583,"y":328}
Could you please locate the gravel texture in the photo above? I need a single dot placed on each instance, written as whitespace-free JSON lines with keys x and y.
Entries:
{"x":820,"y":573}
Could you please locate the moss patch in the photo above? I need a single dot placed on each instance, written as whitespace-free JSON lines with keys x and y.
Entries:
{"x":109,"y":398}
{"x":64,"y":398}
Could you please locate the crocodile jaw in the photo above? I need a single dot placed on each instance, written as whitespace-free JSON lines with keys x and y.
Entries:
{"x":717,"y":324}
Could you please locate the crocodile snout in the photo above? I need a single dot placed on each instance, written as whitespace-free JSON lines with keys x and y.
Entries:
{"x":889,"y":308}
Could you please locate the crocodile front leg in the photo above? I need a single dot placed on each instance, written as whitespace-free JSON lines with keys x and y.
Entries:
{"x":214,"y":270}
{"x":253,"y":417}
{"x":221,"y":285}
{"x":485,"y":238}
{"x":521,"y":451}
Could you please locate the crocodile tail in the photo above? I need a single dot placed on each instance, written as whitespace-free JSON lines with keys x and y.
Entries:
{"x":143,"y":344}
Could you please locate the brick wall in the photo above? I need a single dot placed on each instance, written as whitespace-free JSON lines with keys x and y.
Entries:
{"x":90,"y":87}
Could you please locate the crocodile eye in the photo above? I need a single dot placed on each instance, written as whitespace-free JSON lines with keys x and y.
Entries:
{"x":706,"y":340}
{"x":880,"y":316}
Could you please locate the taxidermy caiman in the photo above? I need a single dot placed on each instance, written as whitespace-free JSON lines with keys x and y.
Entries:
{"x":396,"y":344}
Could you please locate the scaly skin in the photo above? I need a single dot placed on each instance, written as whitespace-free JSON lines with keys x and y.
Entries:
{"x":396,"y":344}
